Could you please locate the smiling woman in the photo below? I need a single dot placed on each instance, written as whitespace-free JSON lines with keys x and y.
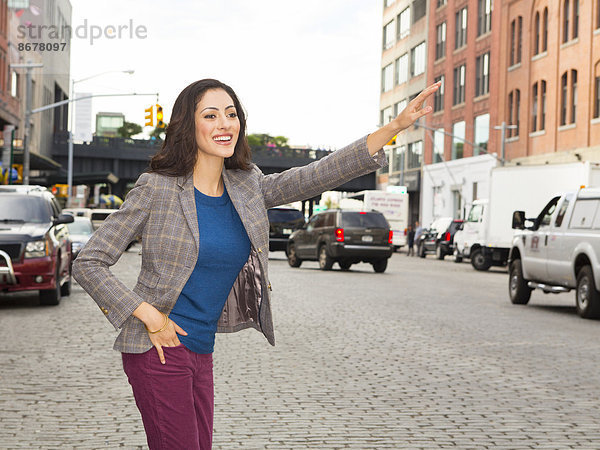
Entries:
{"x":202,"y":215}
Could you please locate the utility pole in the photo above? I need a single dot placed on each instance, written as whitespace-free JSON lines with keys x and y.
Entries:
{"x":28,"y":98}
{"x":503,"y":129}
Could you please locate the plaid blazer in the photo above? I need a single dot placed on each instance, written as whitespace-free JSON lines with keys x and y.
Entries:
{"x":162,"y":210}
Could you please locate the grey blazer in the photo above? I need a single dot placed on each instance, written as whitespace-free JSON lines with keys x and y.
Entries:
{"x":163,"y":211}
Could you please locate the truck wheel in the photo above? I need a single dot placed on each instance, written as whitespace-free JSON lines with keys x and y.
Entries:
{"x":65,"y":289}
{"x":439,"y":252}
{"x":380,"y":265}
{"x":292,"y":258}
{"x":51,"y":297}
{"x":421,"y":251}
{"x":325,"y":261}
{"x":344,"y":265}
{"x":518,"y":290}
{"x":587,"y":297}
{"x":480,"y":261}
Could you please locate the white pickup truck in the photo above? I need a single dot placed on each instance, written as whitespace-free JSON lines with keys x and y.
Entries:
{"x":559,"y":251}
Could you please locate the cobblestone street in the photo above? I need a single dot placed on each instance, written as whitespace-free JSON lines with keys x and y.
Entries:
{"x":430,"y":354}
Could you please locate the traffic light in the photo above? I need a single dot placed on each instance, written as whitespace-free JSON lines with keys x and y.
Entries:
{"x":159,"y":117}
{"x":149,"y":117}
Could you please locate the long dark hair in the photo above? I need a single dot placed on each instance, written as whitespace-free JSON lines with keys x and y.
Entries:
{"x":178,"y":154}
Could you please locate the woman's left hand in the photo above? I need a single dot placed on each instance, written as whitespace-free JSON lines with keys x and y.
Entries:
{"x":415,"y":110}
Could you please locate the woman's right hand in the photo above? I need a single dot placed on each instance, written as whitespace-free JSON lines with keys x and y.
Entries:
{"x":166,"y":338}
{"x":154,"y":320}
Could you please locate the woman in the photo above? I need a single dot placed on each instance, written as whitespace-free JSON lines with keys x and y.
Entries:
{"x":202,"y":213}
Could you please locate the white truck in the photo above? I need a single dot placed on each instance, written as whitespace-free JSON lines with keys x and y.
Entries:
{"x":393,"y":205}
{"x":487,"y":234}
{"x":559,"y":250}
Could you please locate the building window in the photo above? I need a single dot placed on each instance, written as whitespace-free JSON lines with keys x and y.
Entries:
{"x":536,"y":34}
{"x":404,"y":23}
{"x":482,"y":75}
{"x":566,"y":12}
{"x":534,"y":108}
{"x":388,"y":35}
{"x":597,"y":14}
{"x":399,"y":154}
{"x":516,"y":36}
{"x":458,"y":140}
{"x":419,"y":10}
{"x":387,"y":114}
{"x":596,"y":97}
{"x":573,"y":96}
{"x":387,"y":78}
{"x":484,"y":16}
{"x":563,"y":99}
{"x":545,"y":31}
{"x":514,"y":113}
{"x":543,"y":112}
{"x":388,"y":2}
{"x":575,"y":33}
{"x":461,"y":28}
{"x":400,"y":106}
{"x":438,"y":145}
{"x":414,"y":155}
{"x":441,"y":3}
{"x":459,"y":85}
{"x":402,"y":69}
{"x":482,"y":133}
{"x":438,"y":97}
{"x":440,"y":43}
{"x":417,"y":60}
{"x":14,"y":84}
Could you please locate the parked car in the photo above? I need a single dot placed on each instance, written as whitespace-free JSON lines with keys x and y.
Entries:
{"x":558,"y":251}
{"x":439,"y":238}
{"x":79,"y":212}
{"x":81,"y":231}
{"x":342,"y":236}
{"x":283,"y":222}
{"x":35,"y":248}
{"x":99,"y":215}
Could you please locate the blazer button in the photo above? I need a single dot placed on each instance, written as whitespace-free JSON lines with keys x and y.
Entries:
{"x":269,"y":286}
{"x":259,"y":250}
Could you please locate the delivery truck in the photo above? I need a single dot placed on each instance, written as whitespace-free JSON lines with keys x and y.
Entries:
{"x":393,"y":205}
{"x":487,"y":234}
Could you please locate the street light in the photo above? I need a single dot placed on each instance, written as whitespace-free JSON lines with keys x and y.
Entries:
{"x":70,"y":131}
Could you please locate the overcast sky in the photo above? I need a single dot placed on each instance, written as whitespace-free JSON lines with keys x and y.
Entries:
{"x":308,"y":70}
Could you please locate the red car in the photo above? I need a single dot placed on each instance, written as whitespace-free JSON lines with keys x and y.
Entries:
{"x":35,"y":249}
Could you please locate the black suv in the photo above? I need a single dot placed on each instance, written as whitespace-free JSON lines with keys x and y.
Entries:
{"x":282,"y":223}
{"x":439,"y":238}
{"x":342,"y":236}
{"x":35,"y":249}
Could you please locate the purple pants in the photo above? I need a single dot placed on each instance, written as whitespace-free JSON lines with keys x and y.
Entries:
{"x":176,"y":399}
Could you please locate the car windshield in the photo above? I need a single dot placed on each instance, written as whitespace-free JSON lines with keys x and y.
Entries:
{"x":80,"y":227}
{"x":284,"y":215}
{"x":363,"y":220}
{"x":23,"y":208}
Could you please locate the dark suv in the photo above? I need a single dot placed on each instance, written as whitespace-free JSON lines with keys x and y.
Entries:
{"x":439,"y":238}
{"x":282,"y":223}
{"x":345,"y":237}
{"x":35,"y":249}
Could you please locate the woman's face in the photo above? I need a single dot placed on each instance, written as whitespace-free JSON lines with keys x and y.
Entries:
{"x":217,"y":124}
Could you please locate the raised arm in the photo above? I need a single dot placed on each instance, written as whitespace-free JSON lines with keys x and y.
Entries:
{"x":359,"y":158}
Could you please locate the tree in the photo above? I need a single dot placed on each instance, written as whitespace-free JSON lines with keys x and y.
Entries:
{"x":158,"y":133}
{"x":261,"y":140}
{"x":129,"y":129}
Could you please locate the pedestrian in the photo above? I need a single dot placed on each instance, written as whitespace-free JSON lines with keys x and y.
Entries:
{"x":410,"y":241}
{"x":201,"y":211}
{"x":418,"y":233}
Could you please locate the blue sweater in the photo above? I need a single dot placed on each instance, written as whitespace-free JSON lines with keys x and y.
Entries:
{"x":224,"y":249}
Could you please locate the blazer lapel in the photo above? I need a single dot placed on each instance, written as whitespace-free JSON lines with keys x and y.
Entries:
{"x":188,"y":204}
{"x":234,"y":190}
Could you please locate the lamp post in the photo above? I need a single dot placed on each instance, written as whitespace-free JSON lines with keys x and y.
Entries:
{"x":70,"y":131}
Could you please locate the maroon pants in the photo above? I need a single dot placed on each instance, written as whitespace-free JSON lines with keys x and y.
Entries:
{"x":176,"y":399}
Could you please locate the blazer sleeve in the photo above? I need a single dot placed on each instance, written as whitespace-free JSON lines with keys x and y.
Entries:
{"x":105,"y":247}
{"x":301,"y":183}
